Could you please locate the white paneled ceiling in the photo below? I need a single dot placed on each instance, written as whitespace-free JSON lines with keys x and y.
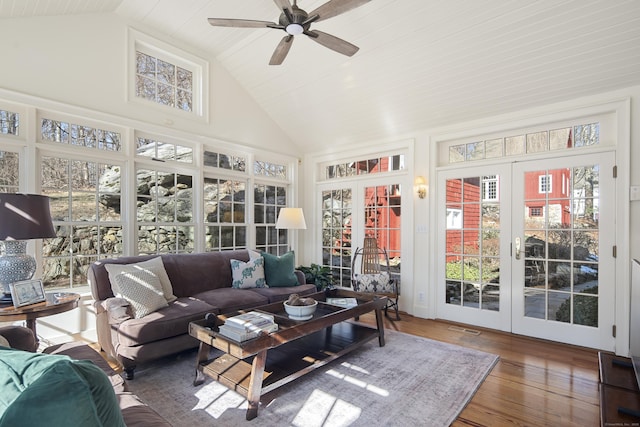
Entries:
{"x":421,"y":64}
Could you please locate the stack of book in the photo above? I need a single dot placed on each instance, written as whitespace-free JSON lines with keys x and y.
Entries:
{"x":248,"y":325}
{"x":343,"y":302}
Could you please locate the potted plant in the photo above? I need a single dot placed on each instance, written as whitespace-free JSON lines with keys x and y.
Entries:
{"x":318,"y":275}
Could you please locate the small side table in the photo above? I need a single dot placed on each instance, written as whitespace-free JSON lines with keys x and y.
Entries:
{"x":57,"y":302}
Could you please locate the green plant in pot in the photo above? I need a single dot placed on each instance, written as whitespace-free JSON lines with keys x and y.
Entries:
{"x":318,"y":275}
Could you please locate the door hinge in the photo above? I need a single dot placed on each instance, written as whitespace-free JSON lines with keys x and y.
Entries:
{"x":615,"y":171}
{"x":613,"y":332}
{"x":615,"y":251}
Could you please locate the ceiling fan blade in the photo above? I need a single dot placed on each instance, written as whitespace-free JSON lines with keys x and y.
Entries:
{"x":243,"y":23}
{"x":283,"y":4}
{"x":336,"y":7}
{"x":332,"y":42}
{"x":281,"y":50}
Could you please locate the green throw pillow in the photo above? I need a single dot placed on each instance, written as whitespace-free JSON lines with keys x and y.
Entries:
{"x":278,"y":270}
{"x":54,"y":390}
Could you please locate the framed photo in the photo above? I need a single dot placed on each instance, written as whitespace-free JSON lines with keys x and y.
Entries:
{"x":27,"y":292}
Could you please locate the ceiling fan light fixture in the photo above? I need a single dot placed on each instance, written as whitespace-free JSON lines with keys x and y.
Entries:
{"x":294,"y":29}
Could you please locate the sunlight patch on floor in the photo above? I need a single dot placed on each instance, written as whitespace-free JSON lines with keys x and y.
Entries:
{"x":215,"y":399}
{"x":324,"y":410}
{"x":359,"y":383}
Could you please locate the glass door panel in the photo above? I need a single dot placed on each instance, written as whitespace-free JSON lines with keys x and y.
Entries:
{"x":558,"y":212}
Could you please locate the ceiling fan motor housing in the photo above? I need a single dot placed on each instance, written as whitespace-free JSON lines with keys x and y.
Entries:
{"x":295,"y":25}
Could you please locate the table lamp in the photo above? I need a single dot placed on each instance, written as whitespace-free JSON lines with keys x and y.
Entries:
{"x":22,"y":217}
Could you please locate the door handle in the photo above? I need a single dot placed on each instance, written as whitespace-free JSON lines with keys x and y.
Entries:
{"x":517,"y":248}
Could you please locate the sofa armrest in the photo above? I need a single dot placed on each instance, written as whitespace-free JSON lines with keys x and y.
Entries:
{"x":118,"y":310}
{"x":300,"y":276}
{"x":19,"y":337}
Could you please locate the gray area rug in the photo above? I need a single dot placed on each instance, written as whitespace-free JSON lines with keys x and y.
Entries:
{"x":410,"y":381}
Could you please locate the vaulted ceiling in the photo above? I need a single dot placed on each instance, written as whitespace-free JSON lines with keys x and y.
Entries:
{"x":421,"y":63}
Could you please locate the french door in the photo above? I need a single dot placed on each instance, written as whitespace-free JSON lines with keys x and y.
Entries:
{"x":353,"y":211}
{"x":527,"y":247}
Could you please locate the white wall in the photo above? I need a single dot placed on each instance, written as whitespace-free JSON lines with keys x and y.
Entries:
{"x":82,"y":61}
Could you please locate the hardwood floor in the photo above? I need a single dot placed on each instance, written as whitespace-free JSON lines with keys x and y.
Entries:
{"x":535,"y":382}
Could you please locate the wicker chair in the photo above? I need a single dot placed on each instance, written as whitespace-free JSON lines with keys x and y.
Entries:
{"x":375,"y":275}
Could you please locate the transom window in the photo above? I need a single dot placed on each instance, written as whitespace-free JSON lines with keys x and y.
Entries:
{"x":80,"y":135}
{"x":158,"y":150}
{"x":269,"y":169}
{"x":225,"y":161}
{"x":163,"y":82}
{"x":159,"y":74}
{"x":9,"y":122}
{"x":581,"y":135}
{"x":365,"y":167}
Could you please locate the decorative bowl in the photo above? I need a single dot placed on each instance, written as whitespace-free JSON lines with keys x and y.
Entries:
{"x":300,"y":312}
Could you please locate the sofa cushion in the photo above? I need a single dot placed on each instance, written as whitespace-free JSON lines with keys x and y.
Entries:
{"x":39,"y":389}
{"x":279,"y":270}
{"x":248,"y":274}
{"x":281,"y":293}
{"x":154,"y":266}
{"x":229,"y":299}
{"x":374,"y":282}
{"x":167,"y":322}
{"x":142,"y":289}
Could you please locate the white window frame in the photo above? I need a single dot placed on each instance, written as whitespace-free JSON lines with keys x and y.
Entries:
{"x":138,"y":41}
{"x":545,"y":184}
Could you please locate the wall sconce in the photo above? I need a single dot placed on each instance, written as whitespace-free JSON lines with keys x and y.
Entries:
{"x":421,"y":186}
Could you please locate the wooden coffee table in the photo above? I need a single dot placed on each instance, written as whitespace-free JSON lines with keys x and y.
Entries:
{"x":257,"y":366}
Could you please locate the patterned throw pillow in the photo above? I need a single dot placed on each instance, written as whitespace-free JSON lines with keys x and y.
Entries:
{"x":153,"y":265}
{"x":248,"y":274}
{"x":377,"y":283}
{"x":142,"y":289}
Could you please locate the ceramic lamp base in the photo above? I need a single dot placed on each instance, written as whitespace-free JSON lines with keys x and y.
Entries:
{"x":15,"y":265}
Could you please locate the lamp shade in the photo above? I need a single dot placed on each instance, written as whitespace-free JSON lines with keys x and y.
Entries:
{"x":24,"y":217}
{"x":291,"y":219}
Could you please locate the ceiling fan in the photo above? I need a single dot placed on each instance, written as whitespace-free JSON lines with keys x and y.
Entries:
{"x":295,"y":21}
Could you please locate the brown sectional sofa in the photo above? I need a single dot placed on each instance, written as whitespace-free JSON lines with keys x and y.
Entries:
{"x":134,"y":412}
{"x":202,"y":283}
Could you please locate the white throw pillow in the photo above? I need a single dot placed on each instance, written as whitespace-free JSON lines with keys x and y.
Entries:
{"x":142,"y":289}
{"x":373,"y":283}
{"x":248,"y":274}
{"x":4,"y":342}
{"x":154,"y":265}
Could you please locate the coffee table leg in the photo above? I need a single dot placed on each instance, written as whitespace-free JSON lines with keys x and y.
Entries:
{"x":255,"y":384}
{"x":203,"y":355}
{"x":380,"y":324}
